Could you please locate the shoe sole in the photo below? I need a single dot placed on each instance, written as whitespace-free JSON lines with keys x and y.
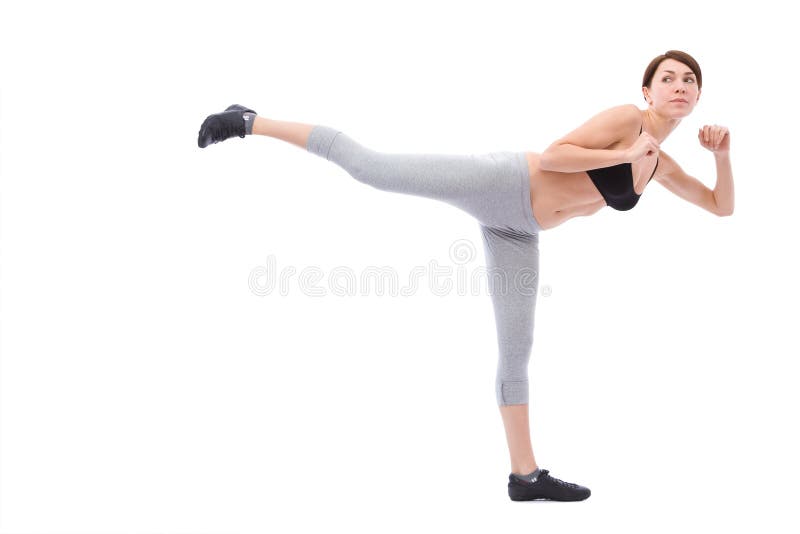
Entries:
{"x":514,"y":496}
{"x":524,"y":499}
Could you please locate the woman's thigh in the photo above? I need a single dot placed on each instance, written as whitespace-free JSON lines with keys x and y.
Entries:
{"x":494,"y":187}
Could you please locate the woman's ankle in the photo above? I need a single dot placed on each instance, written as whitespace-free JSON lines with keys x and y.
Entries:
{"x":524,"y":469}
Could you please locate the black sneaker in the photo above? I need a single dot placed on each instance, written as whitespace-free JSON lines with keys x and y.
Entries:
{"x":545,"y":487}
{"x":221,"y":126}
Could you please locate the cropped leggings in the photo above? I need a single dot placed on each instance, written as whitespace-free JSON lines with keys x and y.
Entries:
{"x":494,"y":188}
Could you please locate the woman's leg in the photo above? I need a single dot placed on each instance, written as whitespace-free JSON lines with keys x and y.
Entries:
{"x":487,"y":186}
{"x":518,"y":435}
{"x":512,"y":261}
{"x":291,"y":132}
{"x":489,"y":189}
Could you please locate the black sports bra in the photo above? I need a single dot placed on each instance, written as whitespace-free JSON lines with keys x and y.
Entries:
{"x":615,"y":183}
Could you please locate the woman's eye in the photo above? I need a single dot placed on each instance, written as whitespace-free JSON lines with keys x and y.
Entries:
{"x":669,"y":78}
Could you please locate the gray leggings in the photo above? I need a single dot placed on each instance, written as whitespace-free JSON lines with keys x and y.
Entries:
{"x":493,"y":188}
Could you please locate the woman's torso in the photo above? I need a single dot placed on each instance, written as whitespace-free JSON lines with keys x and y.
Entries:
{"x":559,"y":196}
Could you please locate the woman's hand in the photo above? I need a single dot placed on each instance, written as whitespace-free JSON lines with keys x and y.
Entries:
{"x":715,"y":138}
{"x":645,"y":145}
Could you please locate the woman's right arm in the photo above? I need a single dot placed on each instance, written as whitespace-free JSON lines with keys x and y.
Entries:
{"x":586,"y":147}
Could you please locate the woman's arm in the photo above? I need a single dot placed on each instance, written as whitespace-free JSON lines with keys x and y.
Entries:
{"x":718,"y":201}
{"x":587,"y":146}
{"x":723,"y":190}
{"x":717,"y":139}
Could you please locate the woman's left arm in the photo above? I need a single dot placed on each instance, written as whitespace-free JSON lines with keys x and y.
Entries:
{"x":718,"y":201}
{"x":717,"y":139}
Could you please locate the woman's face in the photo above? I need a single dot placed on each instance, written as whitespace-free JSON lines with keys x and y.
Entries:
{"x":673,"y":82}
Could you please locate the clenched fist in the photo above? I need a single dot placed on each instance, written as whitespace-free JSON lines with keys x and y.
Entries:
{"x":715,"y":138}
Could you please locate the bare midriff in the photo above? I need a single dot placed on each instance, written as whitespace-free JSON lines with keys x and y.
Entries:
{"x":559,"y":196}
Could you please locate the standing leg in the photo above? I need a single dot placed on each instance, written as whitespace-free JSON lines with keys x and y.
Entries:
{"x":512,"y":261}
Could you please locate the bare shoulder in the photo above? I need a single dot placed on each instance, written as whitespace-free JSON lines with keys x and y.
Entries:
{"x":626,"y":114}
{"x":605,"y":129}
{"x":631,"y":111}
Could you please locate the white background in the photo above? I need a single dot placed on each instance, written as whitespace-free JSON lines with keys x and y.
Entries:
{"x":144,"y":387}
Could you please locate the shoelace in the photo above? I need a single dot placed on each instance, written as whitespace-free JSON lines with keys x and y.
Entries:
{"x":570,"y":485}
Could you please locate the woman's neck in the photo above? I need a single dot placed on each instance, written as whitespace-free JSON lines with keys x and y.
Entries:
{"x":657,"y":125}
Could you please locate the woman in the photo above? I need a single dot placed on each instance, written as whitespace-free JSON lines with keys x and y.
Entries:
{"x":608,"y":161}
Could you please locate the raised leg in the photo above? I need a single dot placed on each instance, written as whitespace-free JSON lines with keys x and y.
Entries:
{"x":487,"y":186}
{"x":291,"y":132}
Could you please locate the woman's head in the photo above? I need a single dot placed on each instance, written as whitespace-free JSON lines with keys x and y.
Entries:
{"x":669,"y":78}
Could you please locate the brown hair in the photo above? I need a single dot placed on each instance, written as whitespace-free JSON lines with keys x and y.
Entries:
{"x":677,"y":55}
